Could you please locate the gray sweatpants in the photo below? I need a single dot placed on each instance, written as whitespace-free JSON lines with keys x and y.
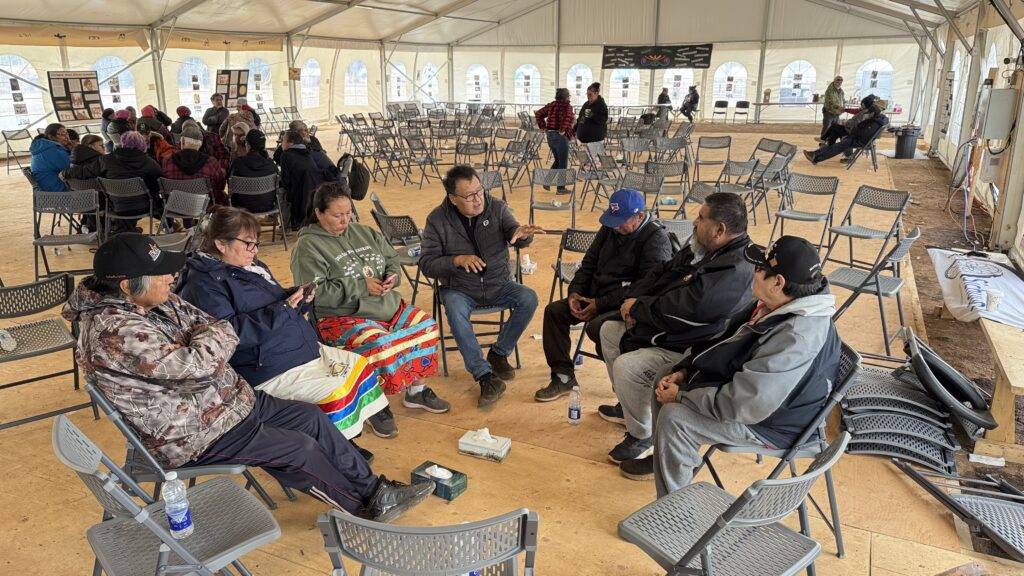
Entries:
{"x":634,"y":376}
{"x":679,"y":433}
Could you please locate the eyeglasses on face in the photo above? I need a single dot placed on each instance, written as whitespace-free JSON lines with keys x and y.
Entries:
{"x":472,"y":196}
{"x":250,"y":246}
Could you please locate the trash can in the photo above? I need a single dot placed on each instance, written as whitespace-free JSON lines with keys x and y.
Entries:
{"x":906,"y":142}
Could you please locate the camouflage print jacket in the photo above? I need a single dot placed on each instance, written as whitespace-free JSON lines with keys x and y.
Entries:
{"x":165,"y":369}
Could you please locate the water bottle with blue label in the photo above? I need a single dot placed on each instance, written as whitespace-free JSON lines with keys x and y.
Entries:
{"x":179,"y":517}
{"x":575,"y":409}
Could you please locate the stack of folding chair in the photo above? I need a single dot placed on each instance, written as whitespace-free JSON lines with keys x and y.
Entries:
{"x":898,"y":413}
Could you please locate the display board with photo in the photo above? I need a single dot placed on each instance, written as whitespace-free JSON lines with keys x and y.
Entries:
{"x":76,"y":95}
{"x":233,"y":84}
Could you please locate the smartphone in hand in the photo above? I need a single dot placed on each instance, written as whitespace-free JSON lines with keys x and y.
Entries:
{"x":390,"y":278}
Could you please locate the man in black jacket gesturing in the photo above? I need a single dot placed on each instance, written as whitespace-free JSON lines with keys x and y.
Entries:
{"x":685,"y":300}
{"x":628,"y":246}
{"x":465,"y":248}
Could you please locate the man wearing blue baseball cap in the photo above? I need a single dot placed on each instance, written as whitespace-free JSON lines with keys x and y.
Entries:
{"x":678,"y":303}
{"x":761,"y":382}
{"x":628,"y":246}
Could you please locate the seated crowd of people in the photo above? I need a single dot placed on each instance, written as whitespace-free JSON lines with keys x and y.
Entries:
{"x":211,"y":359}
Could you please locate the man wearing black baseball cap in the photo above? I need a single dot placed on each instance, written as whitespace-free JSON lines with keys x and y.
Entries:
{"x":763,"y":381}
{"x":163,"y":363}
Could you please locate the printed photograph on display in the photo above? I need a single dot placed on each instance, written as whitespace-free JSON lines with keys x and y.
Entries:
{"x":195,"y":87}
{"x":18,"y":97}
{"x":241,"y":89}
{"x":76,"y":94}
{"x":114,"y":85}
{"x":222,"y":79}
{"x":116,"y":98}
{"x":195,"y":99}
{"x":15,"y":85}
{"x":232,"y":91}
{"x":21,"y":109}
{"x":234,"y":77}
{"x":243,"y":77}
{"x":195,"y":78}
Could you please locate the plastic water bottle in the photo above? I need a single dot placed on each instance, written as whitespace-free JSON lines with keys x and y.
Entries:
{"x":575,"y":412}
{"x":179,"y":517}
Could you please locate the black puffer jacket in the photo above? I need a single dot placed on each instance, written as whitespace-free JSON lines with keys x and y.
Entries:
{"x":445,"y":237}
{"x":863,"y":132}
{"x":125,"y":163}
{"x":613,"y":262}
{"x":680,"y":303}
{"x":85,"y":163}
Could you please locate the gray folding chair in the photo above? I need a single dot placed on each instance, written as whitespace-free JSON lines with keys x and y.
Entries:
{"x":491,"y":546}
{"x":633,"y":149}
{"x":721,"y":107}
{"x":378,"y":205}
{"x":37,"y":335}
{"x":184,"y":205}
{"x":877,"y":282}
{"x":676,"y":173}
{"x":228,"y":521}
{"x":679,"y":232}
{"x":892,"y":202}
{"x":737,"y":178}
{"x":127,"y":199}
{"x":611,"y":176}
{"x":402,"y":233}
{"x":706,"y":144}
{"x":142,"y":467}
{"x":17,"y":143}
{"x":697,"y":194}
{"x":262,"y":197}
{"x":421,"y":155}
{"x":742,"y":108}
{"x":472,"y":153}
{"x":577,"y":241}
{"x":648,"y":184}
{"x":554,"y":177}
{"x":72,"y":206}
{"x":701,"y":530}
{"x":811,"y":186}
{"x":810,"y":444}
{"x":491,"y":181}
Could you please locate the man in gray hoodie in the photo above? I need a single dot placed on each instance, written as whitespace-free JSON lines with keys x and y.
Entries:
{"x":760,"y":382}
{"x":465,"y":248}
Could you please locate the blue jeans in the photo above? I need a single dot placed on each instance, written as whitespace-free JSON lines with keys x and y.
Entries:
{"x":458,"y":305}
{"x":843,"y":146}
{"x":559,"y":145}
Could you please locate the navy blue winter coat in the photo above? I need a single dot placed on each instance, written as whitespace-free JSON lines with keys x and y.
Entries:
{"x":273,"y":336}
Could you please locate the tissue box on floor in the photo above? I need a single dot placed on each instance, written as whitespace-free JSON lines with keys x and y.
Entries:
{"x":447,"y":488}
{"x":482,"y":444}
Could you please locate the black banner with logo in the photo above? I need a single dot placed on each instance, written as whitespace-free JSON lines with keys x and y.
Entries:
{"x":657,"y":57}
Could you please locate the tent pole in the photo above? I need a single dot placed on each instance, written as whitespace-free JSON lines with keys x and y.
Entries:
{"x":947,"y":65}
{"x":657,"y":17}
{"x":915,"y":94}
{"x":292,"y":96}
{"x":158,"y":76}
{"x":764,"y":49}
{"x":383,"y":79}
{"x":558,"y":43}
{"x":974,"y":77}
{"x":451,"y":73}
{"x":330,"y":90}
{"x":929,"y":88}
{"x":64,"y":63}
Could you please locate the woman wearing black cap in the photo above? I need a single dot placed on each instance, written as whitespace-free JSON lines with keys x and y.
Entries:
{"x":164,"y":365}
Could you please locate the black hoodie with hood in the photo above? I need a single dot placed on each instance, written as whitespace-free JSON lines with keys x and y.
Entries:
{"x":85,"y":163}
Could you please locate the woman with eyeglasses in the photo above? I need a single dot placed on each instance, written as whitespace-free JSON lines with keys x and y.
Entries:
{"x":278,"y":350}
{"x":356,"y":271}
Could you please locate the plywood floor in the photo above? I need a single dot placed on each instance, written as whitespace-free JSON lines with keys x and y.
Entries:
{"x":561,"y":471}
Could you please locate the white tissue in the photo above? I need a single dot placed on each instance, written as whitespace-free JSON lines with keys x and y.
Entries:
{"x":484,"y":435}
{"x":438,"y":472}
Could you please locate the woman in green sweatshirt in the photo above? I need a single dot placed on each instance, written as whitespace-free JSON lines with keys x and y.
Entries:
{"x":356,"y":270}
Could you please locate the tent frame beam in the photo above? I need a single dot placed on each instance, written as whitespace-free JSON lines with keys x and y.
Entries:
{"x":849,"y":10}
{"x":431,"y":18}
{"x":956,"y":29}
{"x":928,"y":33}
{"x":179,"y":11}
{"x":922,"y":7}
{"x":878,"y":10}
{"x":514,"y":17}
{"x":305,"y":26}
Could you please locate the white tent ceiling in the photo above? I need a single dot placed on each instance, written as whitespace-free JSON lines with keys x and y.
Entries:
{"x":503,"y":22}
